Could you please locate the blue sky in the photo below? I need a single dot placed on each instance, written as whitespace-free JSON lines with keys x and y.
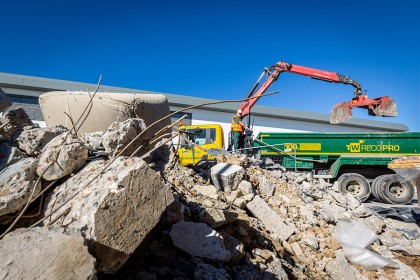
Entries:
{"x":217,"y":49}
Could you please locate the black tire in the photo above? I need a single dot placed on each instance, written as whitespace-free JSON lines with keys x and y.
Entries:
{"x":396,"y":192}
{"x":375,"y":186}
{"x":379,"y":190}
{"x":355,"y":184}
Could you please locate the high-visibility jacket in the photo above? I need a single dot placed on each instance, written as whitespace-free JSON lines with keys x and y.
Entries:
{"x":235,"y":124}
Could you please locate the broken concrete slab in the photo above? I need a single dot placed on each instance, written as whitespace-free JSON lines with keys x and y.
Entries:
{"x":41,"y":253}
{"x":339,"y":268}
{"x":200,"y":240}
{"x":17,"y":182}
{"x":271,"y":220}
{"x":266,"y":187}
{"x":115,"y":211}
{"x":207,"y":190}
{"x":105,"y":108}
{"x":120,"y":134}
{"x":226,"y":176}
{"x":32,"y":141}
{"x":62,"y":156}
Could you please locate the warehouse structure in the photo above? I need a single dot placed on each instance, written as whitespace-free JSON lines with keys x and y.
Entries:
{"x":25,"y":90}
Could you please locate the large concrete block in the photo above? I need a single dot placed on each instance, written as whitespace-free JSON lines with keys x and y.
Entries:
{"x":226,"y":176}
{"x":107,"y":107}
{"x":115,"y":212}
{"x":271,"y":220}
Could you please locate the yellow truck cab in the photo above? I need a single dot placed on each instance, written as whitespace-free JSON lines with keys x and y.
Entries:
{"x":207,"y":136}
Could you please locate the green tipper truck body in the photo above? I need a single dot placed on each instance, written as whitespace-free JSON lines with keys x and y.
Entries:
{"x":333,"y":154}
{"x":333,"y":151}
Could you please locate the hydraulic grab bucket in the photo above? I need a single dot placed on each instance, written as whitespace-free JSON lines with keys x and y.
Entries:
{"x":382,"y":106}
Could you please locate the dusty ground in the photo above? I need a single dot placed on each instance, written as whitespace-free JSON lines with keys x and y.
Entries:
{"x":412,"y":261}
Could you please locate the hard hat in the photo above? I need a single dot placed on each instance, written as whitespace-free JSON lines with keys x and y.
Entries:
{"x":239,"y":111}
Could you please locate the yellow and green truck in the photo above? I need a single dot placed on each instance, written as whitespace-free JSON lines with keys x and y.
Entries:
{"x":357,"y":161}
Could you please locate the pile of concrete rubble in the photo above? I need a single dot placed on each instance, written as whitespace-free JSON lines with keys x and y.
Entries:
{"x":102,"y":209}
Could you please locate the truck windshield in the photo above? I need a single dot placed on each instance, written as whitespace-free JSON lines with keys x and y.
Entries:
{"x":201,"y":136}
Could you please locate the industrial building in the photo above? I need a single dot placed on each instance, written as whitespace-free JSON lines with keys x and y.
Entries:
{"x":25,"y":90}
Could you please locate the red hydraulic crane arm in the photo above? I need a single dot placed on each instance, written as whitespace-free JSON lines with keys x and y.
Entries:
{"x":274,"y":72}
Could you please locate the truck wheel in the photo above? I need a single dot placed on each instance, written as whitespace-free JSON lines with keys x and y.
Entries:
{"x":396,"y":192}
{"x":355,"y":184}
{"x":379,"y":189}
{"x":376,"y":185}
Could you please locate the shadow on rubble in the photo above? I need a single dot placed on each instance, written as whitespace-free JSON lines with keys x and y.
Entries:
{"x":158,"y":258}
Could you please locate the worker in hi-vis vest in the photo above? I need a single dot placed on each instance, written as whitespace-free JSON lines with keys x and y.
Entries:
{"x":237,"y":129}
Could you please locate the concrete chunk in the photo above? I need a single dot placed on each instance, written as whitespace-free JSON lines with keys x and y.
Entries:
{"x":226,"y":176}
{"x":246,"y":187}
{"x":265,"y":186}
{"x":235,"y":247}
{"x":61,"y":157}
{"x":207,"y":190}
{"x":32,"y":141}
{"x":271,"y":220}
{"x":40,"y":253}
{"x":17,"y":182}
{"x":217,"y":217}
{"x":116,"y":211}
{"x":200,"y":240}
{"x":339,"y":268}
{"x":241,"y":160}
{"x":119,"y":134}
